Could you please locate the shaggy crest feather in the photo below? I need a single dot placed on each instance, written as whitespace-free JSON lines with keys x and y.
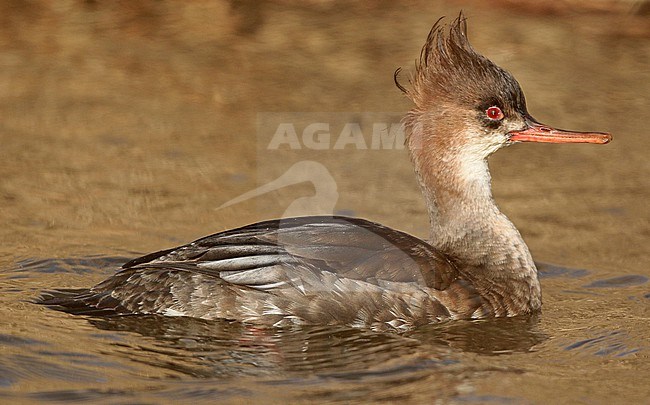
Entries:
{"x":450,"y":71}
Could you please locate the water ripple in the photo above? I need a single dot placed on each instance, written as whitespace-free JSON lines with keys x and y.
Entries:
{"x":81,"y":265}
{"x":619,"y":281}
{"x":547,"y":270}
{"x":607,"y":344}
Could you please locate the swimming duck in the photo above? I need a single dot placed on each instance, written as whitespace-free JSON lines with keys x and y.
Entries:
{"x":348,"y":271}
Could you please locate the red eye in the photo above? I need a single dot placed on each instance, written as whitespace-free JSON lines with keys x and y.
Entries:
{"x":494,"y":113}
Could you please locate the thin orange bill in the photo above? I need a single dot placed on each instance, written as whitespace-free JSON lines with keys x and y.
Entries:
{"x":536,"y":132}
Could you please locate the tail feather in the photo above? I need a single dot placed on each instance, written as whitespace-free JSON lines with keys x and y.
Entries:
{"x":81,"y":301}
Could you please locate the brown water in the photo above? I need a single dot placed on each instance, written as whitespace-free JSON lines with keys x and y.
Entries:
{"x":125,"y":127}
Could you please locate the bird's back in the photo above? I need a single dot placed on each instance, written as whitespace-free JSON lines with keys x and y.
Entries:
{"x":306,"y":270}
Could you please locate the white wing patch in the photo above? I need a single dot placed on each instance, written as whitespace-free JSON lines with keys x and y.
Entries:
{"x":173,"y":312}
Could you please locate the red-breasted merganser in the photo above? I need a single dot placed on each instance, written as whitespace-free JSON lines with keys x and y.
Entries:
{"x":349,"y":271}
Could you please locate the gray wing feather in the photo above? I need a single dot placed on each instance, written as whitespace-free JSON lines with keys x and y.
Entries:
{"x":312,"y":270}
{"x":269,"y":252}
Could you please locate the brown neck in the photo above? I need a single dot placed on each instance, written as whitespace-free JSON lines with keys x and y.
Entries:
{"x":465,"y":222}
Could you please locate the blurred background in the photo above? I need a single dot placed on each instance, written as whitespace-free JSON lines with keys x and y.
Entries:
{"x":124,"y":126}
{"x":138,"y":119}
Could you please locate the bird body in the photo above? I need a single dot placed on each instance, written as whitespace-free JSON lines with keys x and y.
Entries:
{"x":348,"y":271}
